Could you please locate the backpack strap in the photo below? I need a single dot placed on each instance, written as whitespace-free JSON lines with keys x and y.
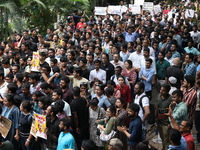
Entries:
{"x":140,"y":102}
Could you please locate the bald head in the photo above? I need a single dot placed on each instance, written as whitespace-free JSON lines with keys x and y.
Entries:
{"x":176,"y":61}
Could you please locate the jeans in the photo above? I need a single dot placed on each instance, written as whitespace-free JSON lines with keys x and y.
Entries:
{"x":197,"y":124}
{"x":22,"y":143}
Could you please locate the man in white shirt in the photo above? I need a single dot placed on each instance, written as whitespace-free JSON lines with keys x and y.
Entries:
{"x":136,"y":57}
{"x":146,"y":45}
{"x":57,"y":95}
{"x":116,"y":61}
{"x":97,"y":73}
{"x":140,"y":96}
{"x":195,"y":35}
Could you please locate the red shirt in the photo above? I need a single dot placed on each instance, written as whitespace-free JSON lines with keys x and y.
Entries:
{"x":190,"y":140}
{"x":125,"y":93}
{"x":80,"y":25}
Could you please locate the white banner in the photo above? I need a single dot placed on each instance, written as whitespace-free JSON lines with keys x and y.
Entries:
{"x":100,"y":10}
{"x":157,"y":9}
{"x":123,"y":9}
{"x":148,"y":6}
{"x":114,"y":10}
{"x":139,"y":2}
{"x":135,"y":9}
{"x":189,"y":13}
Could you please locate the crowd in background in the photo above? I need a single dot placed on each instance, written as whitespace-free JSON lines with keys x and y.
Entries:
{"x":98,"y":76}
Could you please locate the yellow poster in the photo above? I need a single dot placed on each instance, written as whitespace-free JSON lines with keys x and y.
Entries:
{"x":40,"y":125}
{"x":35,"y":62}
{"x":33,"y":130}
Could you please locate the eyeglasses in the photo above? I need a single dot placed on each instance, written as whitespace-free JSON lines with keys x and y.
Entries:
{"x":98,"y":84}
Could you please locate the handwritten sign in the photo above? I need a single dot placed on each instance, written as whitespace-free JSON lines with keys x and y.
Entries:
{"x":148,"y":6}
{"x":5,"y":125}
{"x":189,"y":13}
{"x":40,"y":125}
{"x":135,"y":9}
{"x":114,"y":10}
{"x":35,"y":62}
{"x":157,"y":9}
{"x":100,"y":10}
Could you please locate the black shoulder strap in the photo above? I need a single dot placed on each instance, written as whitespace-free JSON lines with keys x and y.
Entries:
{"x":140,"y":102}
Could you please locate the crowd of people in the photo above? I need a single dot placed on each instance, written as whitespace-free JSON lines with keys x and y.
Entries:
{"x":97,"y":76}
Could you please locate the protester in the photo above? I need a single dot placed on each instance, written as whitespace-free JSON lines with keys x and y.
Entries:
{"x":103,"y":57}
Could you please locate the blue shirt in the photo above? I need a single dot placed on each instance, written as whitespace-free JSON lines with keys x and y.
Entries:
{"x":190,"y":69}
{"x":183,"y":145}
{"x":198,"y":68}
{"x":130,"y":37}
{"x":124,"y":56}
{"x":135,"y":129}
{"x":147,"y":73}
{"x":192,"y":50}
{"x":103,"y":101}
{"x":176,"y":54}
{"x":65,"y":141}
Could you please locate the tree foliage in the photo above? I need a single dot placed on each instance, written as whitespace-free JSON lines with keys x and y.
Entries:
{"x":26,"y":14}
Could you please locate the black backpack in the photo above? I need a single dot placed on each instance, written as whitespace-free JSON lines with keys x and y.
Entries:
{"x":151,"y":119}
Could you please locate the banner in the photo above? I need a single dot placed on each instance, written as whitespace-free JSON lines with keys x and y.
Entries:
{"x":35,"y":62}
{"x":33,"y":130}
{"x":157,"y":9}
{"x":100,"y":10}
{"x":40,"y":125}
{"x":135,"y":9}
{"x":189,"y":13}
{"x":123,"y":9}
{"x":148,"y":6}
{"x":114,"y":10}
{"x":5,"y":125}
{"x":139,"y":2}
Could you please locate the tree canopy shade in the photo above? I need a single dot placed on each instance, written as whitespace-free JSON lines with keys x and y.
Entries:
{"x":16,"y":15}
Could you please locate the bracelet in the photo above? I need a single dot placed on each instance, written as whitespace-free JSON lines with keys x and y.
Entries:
{"x":28,"y":140}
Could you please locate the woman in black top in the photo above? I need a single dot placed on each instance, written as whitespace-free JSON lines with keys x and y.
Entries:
{"x":25,"y":122}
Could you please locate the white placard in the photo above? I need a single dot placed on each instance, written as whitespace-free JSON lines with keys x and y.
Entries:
{"x":135,"y":9}
{"x":100,"y":10}
{"x":157,"y":9}
{"x":123,"y":9}
{"x":189,"y":13}
{"x":148,"y":6}
{"x":114,"y":10}
{"x":139,"y":2}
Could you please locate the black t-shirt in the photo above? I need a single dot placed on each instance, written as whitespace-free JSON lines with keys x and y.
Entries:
{"x":79,"y":106}
{"x":176,"y":72}
{"x":27,"y":54}
{"x":85,"y":73}
{"x":44,"y":64}
{"x":110,"y":70}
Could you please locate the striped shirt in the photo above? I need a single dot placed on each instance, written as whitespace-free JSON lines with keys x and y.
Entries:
{"x":190,"y":97}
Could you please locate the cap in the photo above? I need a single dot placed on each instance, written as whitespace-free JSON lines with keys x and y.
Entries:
{"x":172,"y":80}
